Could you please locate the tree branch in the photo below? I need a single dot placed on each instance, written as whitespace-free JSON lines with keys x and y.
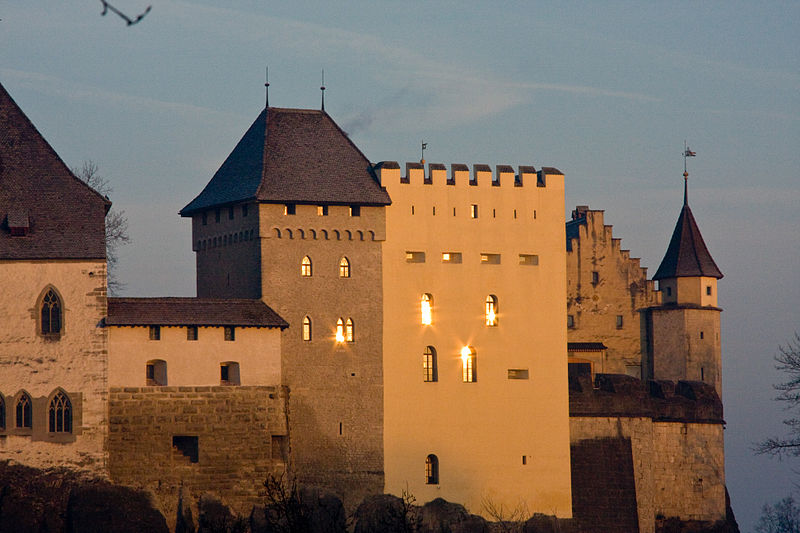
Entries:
{"x":108,"y":7}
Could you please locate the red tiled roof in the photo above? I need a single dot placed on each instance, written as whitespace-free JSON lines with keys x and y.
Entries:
{"x":687,"y":255}
{"x":293,"y":156}
{"x":191,"y":312}
{"x":63,"y":217}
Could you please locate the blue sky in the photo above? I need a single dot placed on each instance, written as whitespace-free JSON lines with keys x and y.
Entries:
{"x":605,"y":91}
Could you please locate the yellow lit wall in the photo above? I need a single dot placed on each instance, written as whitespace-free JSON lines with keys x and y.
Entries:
{"x":479,"y":431}
{"x":257,"y":350}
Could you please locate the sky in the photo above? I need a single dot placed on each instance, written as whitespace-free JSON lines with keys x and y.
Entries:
{"x":605,"y":91}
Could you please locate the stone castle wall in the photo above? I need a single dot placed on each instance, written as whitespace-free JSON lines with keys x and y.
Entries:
{"x":219,"y":440}
{"x":676,"y":441}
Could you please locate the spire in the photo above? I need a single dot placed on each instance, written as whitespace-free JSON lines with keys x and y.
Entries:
{"x":322,"y":88}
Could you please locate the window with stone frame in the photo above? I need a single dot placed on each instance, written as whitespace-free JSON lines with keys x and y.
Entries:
{"x":60,"y":414}
{"x":431,"y":470}
{"x":24,"y":411}
{"x":51,"y":314}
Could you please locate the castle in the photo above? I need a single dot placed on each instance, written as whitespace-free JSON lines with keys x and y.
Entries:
{"x":366,"y":329}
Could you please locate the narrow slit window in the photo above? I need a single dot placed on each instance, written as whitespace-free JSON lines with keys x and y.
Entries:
{"x":426,"y":309}
{"x":473,"y":211}
{"x":431,"y":470}
{"x":306,"y":328}
{"x":619,"y":321}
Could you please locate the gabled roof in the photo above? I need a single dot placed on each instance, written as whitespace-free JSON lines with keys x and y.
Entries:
{"x":54,"y":215}
{"x":293,"y":156}
{"x":191,"y":312}
{"x":687,"y":255}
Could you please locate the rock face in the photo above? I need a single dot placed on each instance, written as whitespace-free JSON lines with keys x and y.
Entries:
{"x":32,"y":501}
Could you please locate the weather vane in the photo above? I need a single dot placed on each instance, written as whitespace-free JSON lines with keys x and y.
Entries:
{"x":424,"y":146}
{"x":687,"y":152}
{"x":322,"y":88}
{"x":266,"y":86}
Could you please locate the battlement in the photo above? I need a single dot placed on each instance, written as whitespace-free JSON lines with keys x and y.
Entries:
{"x":617,"y":395}
{"x":389,"y":172}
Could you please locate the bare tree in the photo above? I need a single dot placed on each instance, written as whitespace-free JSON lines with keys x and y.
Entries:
{"x":128,"y":20}
{"x":783,"y":517}
{"x":788,"y":361}
{"x":116,"y":221}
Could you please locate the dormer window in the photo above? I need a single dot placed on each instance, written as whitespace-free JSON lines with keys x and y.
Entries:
{"x":18,"y":222}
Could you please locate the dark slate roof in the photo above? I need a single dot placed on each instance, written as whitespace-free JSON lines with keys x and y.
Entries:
{"x":293,"y":156}
{"x":505,"y":168}
{"x":191,"y":312}
{"x":459,"y":166}
{"x":687,"y":255}
{"x":63,"y":217}
{"x":552,"y":171}
{"x":527,"y":170}
{"x":436,"y":166}
{"x":585,"y":346}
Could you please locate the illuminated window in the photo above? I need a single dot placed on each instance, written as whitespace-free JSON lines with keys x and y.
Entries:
{"x":468,"y":365}
{"x":156,"y":373}
{"x":289,"y":209}
{"x":322,"y":210}
{"x":426,"y":309}
{"x":340,"y":330}
{"x":348,"y":331}
{"x":24,"y":411}
{"x":306,"y":328}
{"x":229,"y":373}
{"x":473,"y":211}
{"x":305,"y":267}
{"x":491,"y":310}
{"x":60,"y":414}
{"x":355,"y":210}
{"x":429,"y":369}
{"x":51,"y":314}
{"x":344,"y":268}
{"x":432,"y":470}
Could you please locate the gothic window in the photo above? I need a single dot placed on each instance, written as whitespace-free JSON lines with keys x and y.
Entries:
{"x":51,"y":314}
{"x":156,"y":373}
{"x":306,"y":328}
{"x":340,"y":330}
{"x":429,"y":370}
{"x":468,"y":365}
{"x":305,"y":267}
{"x":491,"y":310}
{"x":426,"y":309}
{"x":348,"y":331}
{"x":431,"y":470}
{"x":2,"y":413}
{"x":344,"y":268}
{"x":24,"y":411}
{"x":60,"y":413}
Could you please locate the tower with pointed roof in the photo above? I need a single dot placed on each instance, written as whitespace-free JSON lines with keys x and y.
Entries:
{"x":683,"y":333}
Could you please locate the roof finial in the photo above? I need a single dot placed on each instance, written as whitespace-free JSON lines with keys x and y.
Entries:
{"x":424,"y":145}
{"x":687,"y":152}
{"x":266,"y":87}
{"x":322,"y":88}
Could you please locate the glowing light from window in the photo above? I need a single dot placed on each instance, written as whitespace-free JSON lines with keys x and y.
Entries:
{"x":491,"y":310}
{"x":340,"y":330}
{"x":426,"y":309}
{"x":465,"y":353}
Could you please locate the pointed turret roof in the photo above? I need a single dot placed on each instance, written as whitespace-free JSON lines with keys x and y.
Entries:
{"x":687,"y":255}
{"x":45,"y":211}
{"x":293,"y":156}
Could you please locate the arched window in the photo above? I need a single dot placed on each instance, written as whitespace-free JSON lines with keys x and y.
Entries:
{"x":340,"y":330}
{"x":491,"y":310}
{"x":51,"y":314}
{"x":229,"y":373}
{"x":60,"y":414}
{"x":426,"y":309}
{"x":305,"y":267}
{"x":429,"y":369}
{"x":24,"y":411}
{"x":344,"y":268}
{"x":2,"y":413}
{"x":156,"y":373}
{"x":348,"y":331}
{"x":306,"y":328}
{"x":431,"y":470}
{"x":469,"y":368}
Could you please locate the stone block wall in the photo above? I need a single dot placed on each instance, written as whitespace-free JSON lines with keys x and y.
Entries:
{"x":219,"y":440}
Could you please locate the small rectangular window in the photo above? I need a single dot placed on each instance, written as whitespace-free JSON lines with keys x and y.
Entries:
{"x":415,"y":257}
{"x":528,"y":259}
{"x":515,"y":213}
{"x":669,"y":291}
{"x":188,"y":446}
{"x":150,"y":372}
{"x":191,"y":333}
{"x":289,"y":209}
{"x":322,"y":210}
{"x":701,"y":335}
{"x":434,"y":210}
{"x":230,"y":213}
{"x":708,"y":290}
{"x":473,"y":211}
{"x":595,"y":277}
{"x":230,"y":333}
{"x":244,"y":210}
{"x":224,"y":373}
{"x":534,"y":214}
{"x":619,"y":321}
{"x":216,"y":215}
{"x":451,"y":257}
{"x":355,"y":210}
{"x":524,"y":459}
{"x":155,"y":333}
{"x":490,"y":259}
{"x":570,"y":321}
{"x":518,"y":373}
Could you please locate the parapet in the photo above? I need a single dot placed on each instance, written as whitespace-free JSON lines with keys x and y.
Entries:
{"x":482,"y":175}
{"x":618,"y":395}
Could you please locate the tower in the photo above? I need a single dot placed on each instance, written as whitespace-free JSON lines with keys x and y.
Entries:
{"x":683,"y":333}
